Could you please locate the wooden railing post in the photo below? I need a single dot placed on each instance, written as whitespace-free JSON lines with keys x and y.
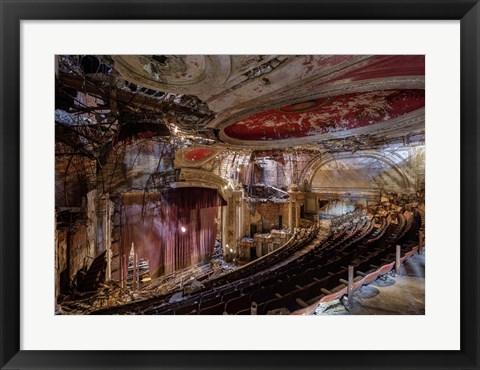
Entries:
{"x":397,"y":259}
{"x":350,"y":284}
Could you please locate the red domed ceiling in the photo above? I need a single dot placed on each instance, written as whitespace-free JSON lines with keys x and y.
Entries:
{"x":327,"y":115}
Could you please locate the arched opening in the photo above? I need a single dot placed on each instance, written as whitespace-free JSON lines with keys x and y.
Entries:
{"x":359,"y":172}
{"x":341,"y":184}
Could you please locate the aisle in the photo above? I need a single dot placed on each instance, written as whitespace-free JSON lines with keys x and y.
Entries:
{"x":399,"y":295}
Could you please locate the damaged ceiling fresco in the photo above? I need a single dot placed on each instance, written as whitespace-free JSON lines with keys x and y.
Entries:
{"x":327,"y":115}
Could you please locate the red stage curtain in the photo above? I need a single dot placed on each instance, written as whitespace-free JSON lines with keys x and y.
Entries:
{"x":154,"y":222}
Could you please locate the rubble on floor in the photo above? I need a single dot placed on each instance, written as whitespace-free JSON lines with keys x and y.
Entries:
{"x":111,"y":294}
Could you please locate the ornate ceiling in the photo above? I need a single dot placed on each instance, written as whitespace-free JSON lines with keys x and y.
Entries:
{"x":331,"y":102}
{"x":289,"y":100}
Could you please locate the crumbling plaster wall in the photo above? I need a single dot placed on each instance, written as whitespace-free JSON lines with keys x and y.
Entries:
{"x":79,"y":249}
{"x":133,"y":165}
{"x":274,"y":174}
{"x":265,"y":216}
{"x":225,"y":165}
{"x":74,"y":177}
{"x":360,"y":178}
{"x":280,"y":172}
{"x":60,"y":257}
{"x":76,"y":243}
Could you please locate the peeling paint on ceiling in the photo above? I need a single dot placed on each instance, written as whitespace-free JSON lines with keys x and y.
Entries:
{"x":327,"y":115}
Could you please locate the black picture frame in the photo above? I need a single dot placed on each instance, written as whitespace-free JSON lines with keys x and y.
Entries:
{"x":12,"y":12}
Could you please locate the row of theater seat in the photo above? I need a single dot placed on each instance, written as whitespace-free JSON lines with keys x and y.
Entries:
{"x":301,"y":238}
{"x":292,"y":286}
{"x":320,"y":262}
{"x":265,"y":277}
{"x":303,"y":280}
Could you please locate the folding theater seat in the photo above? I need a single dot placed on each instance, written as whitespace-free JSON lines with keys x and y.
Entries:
{"x":287,"y":302}
{"x":210,"y":302}
{"x":262,"y":295}
{"x":283,"y":288}
{"x":304,"y":279}
{"x":230,"y":295}
{"x":249,"y":289}
{"x":238,"y":304}
{"x":218,"y":309}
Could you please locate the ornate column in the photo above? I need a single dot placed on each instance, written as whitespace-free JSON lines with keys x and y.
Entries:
{"x":296,"y":198}
{"x":238,"y":220}
{"x":292,"y":207}
{"x":229,"y":224}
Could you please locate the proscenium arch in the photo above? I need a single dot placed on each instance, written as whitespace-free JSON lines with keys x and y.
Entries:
{"x":192,"y":177}
{"x":309,"y":172}
{"x":200,"y":178}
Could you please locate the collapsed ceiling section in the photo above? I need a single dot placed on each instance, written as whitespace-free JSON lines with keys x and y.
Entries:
{"x":96,"y":108}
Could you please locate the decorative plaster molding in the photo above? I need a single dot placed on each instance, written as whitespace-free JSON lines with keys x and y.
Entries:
{"x":200,"y":178}
{"x":184,"y":74}
{"x":307,"y":92}
{"x":181,"y":161}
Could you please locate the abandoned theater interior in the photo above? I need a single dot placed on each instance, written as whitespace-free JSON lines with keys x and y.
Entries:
{"x":239,"y":184}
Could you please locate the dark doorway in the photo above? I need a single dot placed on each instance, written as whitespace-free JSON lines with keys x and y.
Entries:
{"x":253,"y":230}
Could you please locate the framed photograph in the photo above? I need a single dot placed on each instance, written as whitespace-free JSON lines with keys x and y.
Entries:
{"x":171,"y":169}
